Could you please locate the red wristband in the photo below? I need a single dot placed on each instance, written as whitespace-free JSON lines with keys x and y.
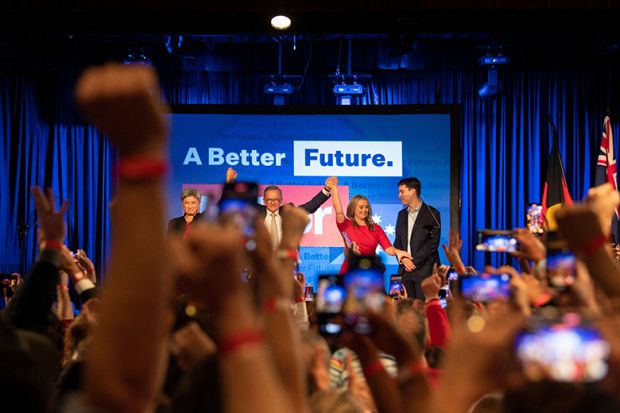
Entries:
{"x":272,"y":304}
{"x":461,"y":270}
{"x":542,"y":299}
{"x":373,"y":369}
{"x":237,"y":341}
{"x":416,"y":368}
{"x":300,"y":299}
{"x":288,"y":254}
{"x":63,"y":287}
{"x":139,"y":168}
{"x":52,"y":245}
{"x":592,"y":246}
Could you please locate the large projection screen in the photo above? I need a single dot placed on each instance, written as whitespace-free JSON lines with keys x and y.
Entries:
{"x":297,"y":148}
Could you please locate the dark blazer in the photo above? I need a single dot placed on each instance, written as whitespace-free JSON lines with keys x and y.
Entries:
{"x":310,"y":206}
{"x":176,"y":226}
{"x":424,"y":239}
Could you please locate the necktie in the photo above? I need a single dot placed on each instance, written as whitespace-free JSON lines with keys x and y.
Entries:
{"x":275,"y":239}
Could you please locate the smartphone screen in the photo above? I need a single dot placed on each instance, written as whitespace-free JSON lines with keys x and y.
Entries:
{"x":484,"y":287}
{"x":561,"y":267}
{"x":238,"y":205}
{"x":452,"y":274}
{"x":567,"y":349}
{"x":496,"y":241}
{"x":533,"y":219}
{"x":309,"y":293}
{"x":396,"y":286}
{"x":366,"y":292}
{"x":347,"y":240}
{"x":329,"y":302}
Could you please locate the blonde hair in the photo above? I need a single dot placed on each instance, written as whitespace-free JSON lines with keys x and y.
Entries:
{"x":351,"y":211}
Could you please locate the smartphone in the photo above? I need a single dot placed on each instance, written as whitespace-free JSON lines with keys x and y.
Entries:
{"x":561,"y":262}
{"x":238,"y":205}
{"x":309,"y":293}
{"x":564,"y":349}
{"x":396,"y":286}
{"x":329,"y":302}
{"x":496,"y":241}
{"x":452,"y":274}
{"x":484,"y":287}
{"x":365,"y":291}
{"x":533,"y":219}
{"x":347,"y":240}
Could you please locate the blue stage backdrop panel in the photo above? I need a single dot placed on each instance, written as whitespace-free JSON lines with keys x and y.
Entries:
{"x":369,"y":149}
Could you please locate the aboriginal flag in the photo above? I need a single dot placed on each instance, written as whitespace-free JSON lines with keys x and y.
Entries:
{"x":555,"y":193}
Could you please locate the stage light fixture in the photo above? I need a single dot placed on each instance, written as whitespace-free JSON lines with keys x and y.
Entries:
{"x":351,"y":90}
{"x":136,"y":58}
{"x":280,"y":22}
{"x":278,"y":89}
{"x":492,"y":88}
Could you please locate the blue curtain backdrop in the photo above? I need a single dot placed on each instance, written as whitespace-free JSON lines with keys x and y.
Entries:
{"x":505,"y":143}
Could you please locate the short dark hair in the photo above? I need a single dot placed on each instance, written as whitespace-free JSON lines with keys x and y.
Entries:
{"x":412,"y":183}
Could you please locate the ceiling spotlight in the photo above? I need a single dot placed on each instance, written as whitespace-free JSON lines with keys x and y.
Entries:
{"x":280,"y":22}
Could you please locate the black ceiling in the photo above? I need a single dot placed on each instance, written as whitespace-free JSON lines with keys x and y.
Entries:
{"x":56,"y":34}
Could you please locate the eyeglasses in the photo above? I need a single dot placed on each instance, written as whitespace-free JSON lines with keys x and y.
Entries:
{"x":272,"y":200}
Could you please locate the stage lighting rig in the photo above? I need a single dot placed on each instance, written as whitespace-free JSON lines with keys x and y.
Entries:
{"x":347,"y":87}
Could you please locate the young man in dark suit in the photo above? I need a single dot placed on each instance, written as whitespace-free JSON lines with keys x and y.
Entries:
{"x":418,"y":229}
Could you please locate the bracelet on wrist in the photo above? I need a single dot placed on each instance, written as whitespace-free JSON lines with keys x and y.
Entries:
{"x":270,"y":305}
{"x":592,"y":246}
{"x":300,"y":299}
{"x":141,"y":168}
{"x":411,"y":370}
{"x":461,"y":269}
{"x":288,"y":254}
{"x":373,"y":369}
{"x":52,"y":245}
{"x":62,"y":287}
{"x":237,"y":341}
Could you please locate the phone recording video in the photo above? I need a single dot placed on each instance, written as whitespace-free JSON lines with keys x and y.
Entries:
{"x":365,"y":291}
{"x":329,"y":302}
{"x":496,"y":241}
{"x":565,"y":349}
{"x":452,"y":274}
{"x":484,"y":287}
{"x":561,"y":268}
{"x":238,"y":205}
{"x":534,"y":220}
{"x":561,"y":262}
{"x":396,"y":286}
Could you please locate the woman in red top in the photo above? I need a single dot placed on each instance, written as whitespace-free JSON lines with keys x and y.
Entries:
{"x":360,"y":233}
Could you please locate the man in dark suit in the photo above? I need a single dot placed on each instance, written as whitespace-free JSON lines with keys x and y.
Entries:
{"x":272,"y":197}
{"x":418,"y":229}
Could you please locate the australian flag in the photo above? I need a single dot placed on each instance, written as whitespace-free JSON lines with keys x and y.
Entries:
{"x":606,"y":168}
{"x":555,"y":192}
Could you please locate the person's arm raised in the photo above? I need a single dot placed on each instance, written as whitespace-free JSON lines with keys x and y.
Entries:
{"x":586,"y":229}
{"x":340,"y":216}
{"x":126,"y":362}
{"x":209,"y":264}
{"x":275,"y":289}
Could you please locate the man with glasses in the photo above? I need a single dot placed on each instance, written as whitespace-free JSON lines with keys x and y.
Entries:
{"x":272,"y":198}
